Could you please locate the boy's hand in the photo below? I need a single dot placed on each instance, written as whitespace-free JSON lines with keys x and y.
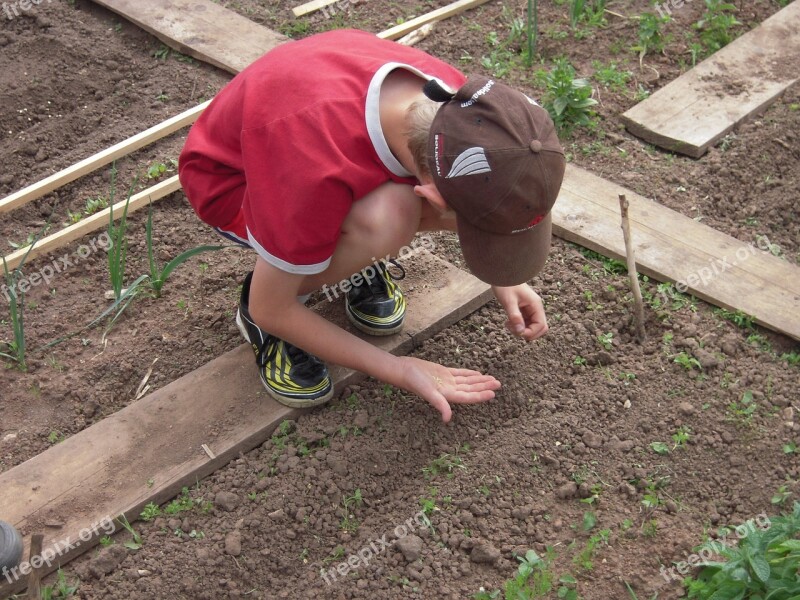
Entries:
{"x":525,"y":310}
{"x":442,"y":386}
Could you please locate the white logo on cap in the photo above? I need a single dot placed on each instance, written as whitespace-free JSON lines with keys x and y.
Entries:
{"x":484,"y":90}
{"x":470,"y":162}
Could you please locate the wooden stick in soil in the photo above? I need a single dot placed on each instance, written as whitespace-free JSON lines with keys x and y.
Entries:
{"x":633,"y":275}
{"x":35,"y":576}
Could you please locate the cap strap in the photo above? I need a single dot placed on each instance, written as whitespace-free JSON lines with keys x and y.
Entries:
{"x":434,"y":90}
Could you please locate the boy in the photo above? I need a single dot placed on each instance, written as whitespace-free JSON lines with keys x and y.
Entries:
{"x":338,"y":148}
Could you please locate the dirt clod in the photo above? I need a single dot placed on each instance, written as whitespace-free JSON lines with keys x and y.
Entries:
{"x":233,"y":543}
{"x":484,"y":553}
{"x":227,"y":501}
{"x":107,"y":560}
{"x":410,"y":546}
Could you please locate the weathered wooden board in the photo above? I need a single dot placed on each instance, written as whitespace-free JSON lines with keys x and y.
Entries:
{"x":106,"y":470}
{"x":671,"y":247}
{"x":201,"y":29}
{"x":694,"y":111}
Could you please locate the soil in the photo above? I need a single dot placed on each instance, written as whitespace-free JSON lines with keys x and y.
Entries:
{"x":570,"y":432}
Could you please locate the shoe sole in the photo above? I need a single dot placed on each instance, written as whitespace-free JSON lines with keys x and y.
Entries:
{"x":372,"y":330}
{"x":290,"y":402}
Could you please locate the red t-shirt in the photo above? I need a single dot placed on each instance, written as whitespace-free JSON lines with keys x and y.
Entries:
{"x":284,"y":150}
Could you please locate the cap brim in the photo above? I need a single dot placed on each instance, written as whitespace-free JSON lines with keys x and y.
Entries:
{"x":505,"y":260}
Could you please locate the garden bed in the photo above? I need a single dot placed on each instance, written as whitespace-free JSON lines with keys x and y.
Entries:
{"x":579,"y":409}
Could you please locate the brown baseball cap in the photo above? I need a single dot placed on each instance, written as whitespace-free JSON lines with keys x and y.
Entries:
{"x":495,"y":158}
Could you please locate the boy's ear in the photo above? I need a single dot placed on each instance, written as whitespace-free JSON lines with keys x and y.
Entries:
{"x":431,"y":194}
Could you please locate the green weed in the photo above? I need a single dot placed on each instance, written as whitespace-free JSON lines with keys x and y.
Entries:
{"x":738,"y":318}
{"x":567,"y":98}
{"x":585,"y":557}
{"x":743,"y":410}
{"x":136,"y":540}
{"x":606,"y":340}
{"x":715,"y":25}
{"x":61,"y":589}
{"x":150,"y":512}
{"x":446,"y":463}
{"x":651,"y":39}
{"x":159,"y":276}
{"x":687,"y":362}
{"x":610,"y":75}
{"x":534,"y":579}
{"x":764,"y":564}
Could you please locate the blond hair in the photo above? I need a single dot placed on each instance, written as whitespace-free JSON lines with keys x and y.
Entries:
{"x":419,"y":117}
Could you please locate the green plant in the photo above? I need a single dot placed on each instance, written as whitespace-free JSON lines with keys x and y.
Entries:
{"x":106,"y":541}
{"x":790,"y":448}
{"x":158,"y":276}
{"x":738,"y":318}
{"x":94,"y":204}
{"x":534,"y":579}
{"x":117,"y":254}
{"x":61,"y":589}
{"x":136,"y":540}
{"x":744,"y":409}
{"x":606,"y":339}
{"x":650,"y":38}
{"x":687,"y":362}
{"x":610,"y":75}
{"x":764,"y":564}
{"x":15,"y":294}
{"x":180,"y":504}
{"x":349,"y":522}
{"x":531,"y":30}
{"x":446,"y":463}
{"x":580,"y":361}
{"x":781,"y":496}
{"x":584,"y":558}
{"x":659,"y":447}
{"x":791,"y":358}
{"x":567,"y":98}
{"x":592,"y":13}
{"x":715,"y":25}
{"x":505,"y":52}
{"x":150,"y":512}
{"x":681,"y":436}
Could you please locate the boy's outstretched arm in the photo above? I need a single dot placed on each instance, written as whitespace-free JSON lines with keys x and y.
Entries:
{"x":275,"y":309}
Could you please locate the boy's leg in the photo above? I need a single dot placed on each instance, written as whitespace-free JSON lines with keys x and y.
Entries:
{"x":379,"y":224}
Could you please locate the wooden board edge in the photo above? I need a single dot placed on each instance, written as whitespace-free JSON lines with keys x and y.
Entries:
{"x":570,"y":236}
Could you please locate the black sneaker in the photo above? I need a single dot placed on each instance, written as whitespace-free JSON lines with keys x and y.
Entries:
{"x":290,"y":375}
{"x":377,"y":306}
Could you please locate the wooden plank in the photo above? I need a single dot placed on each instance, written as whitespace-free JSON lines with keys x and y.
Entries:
{"x":313,"y":6}
{"x":94,"y":222}
{"x":201,"y":29}
{"x":55,"y":181}
{"x":92,"y":476}
{"x":445,"y":12}
{"x":670,"y":247}
{"x":694,"y":111}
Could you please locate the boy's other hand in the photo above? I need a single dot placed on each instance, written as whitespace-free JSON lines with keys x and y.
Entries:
{"x":443,"y":386}
{"x":525,"y":310}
